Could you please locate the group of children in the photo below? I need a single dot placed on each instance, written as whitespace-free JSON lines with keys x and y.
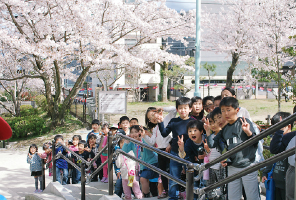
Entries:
{"x":204,"y":129}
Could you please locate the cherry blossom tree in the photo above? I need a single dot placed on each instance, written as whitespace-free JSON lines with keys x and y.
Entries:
{"x":230,"y":31}
{"x":51,"y":34}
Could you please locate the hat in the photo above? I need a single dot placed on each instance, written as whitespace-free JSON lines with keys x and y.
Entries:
{"x":114,"y":126}
{"x":5,"y":130}
{"x":95,"y":121}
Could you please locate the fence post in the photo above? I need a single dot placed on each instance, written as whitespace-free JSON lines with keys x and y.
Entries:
{"x":83,"y":181}
{"x":3,"y":143}
{"x":84,"y":106}
{"x":110,"y":162}
{"x":43,"y":174}
{"x":190,"y":182}
{"x":54,"y":173}
{"x":76,"y":108}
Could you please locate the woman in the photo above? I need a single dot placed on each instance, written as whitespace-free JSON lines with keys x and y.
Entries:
{"x":152,"y":118}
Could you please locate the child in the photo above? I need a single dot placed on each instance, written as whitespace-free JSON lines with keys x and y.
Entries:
{"x":127,"y":166}
{"x":74,"y":147}
{"x":237,"y":131}
{"x":84,"y":154}
{"x":176,"y":126}
{"x":47,"y":154}
{"x":282,"y":140}
{"x":95,"y":125}
{"x":104,"y":155}
{"x":216,"y":172}
{"x":217,"y":101}
{"x":134,"y":121}
{"x":118,"y":185}
{"x":144,"y":154}
{"x":124,"y":124}
{"x":197,"y":109}
{"x":92,"y":146}
{"x":61,"y":164}
{"x":193,"y":150}
{"x":208,"y":103}
{"x":35,"y":166}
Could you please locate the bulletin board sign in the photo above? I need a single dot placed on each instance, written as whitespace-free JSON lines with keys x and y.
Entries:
{"x":112,"y":102}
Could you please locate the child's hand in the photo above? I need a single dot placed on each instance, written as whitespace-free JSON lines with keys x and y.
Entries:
{"x":168,"y":148}
{"x":207,"y":127}
{"x":30,"y":156}
{"x":223,"y":163}
{"x":264,"y":179}
{"x":118,"y":175}
{"x":87,"y":149}
{"x":181,"y":143}
{"x":246,"y":127}
{"x":206,"y":146}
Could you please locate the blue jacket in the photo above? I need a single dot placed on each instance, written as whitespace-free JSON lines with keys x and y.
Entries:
{"x":280,"y":141}
{"x":35,"y":163}
{"x":144,"y":154}
{"x":61,"y":163}
{"x":191,"y":150}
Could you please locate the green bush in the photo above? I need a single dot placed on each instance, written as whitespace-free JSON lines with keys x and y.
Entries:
{"x":41,"y":102}
{"x":27,"y":110}
{"x":22,"y":127}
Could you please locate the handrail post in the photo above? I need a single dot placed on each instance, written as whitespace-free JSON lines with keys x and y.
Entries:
{"x":83,"y":181}
{"x":110,"y":162}
{"x":190,"y":182}
{"x":43,"y":175}
{"x":54,"y":173}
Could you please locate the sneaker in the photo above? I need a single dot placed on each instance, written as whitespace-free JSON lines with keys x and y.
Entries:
{"x":103,"y":179}
{"x":106,"y":180}
{"x":36,"y":191}
{"x":164,"y":194}
{"x":39,"y":191}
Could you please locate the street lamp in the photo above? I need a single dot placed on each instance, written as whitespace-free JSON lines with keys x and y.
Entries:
{"x":197,"y":49}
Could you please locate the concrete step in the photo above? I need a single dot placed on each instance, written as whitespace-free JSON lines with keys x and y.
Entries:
{"x":43,"y":196}
{"x":10,"y":194}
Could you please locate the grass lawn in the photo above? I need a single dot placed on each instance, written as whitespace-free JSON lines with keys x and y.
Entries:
{"x":258,"y":109}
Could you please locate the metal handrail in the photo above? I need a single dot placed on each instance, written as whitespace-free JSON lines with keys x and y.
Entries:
{"x":249,"y":142}
{"x":246,"y":171}
{"x":168,"y":155}
{"x":163,"y":173}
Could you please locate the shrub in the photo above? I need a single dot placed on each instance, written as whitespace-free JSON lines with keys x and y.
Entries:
{"x":28,"y":125}
{"x":41,"y":102}
{"x":27,"y":110}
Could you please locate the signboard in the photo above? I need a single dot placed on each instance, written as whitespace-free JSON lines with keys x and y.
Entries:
{"x":112,"y":102}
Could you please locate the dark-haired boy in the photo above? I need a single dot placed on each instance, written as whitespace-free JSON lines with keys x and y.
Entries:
{"x":282,"y":140}
{"x":176,"y":126}
{"x":217,"y":101}
{"x":95,"y":125}
{"x":124,"y":124}
{"x":134,"y":121}
{"x":237,"y":131}
{"x":84,"y":154}
{"x":193,"y":150}
{"x":61,"y":164}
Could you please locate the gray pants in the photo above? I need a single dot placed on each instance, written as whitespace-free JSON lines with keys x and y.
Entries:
{"x":249,"y":181}
{"x":290,"y":183}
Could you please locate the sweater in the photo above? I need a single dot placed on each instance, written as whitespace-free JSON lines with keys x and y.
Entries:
{"x":35,"y":162}
{"x":178,"y":128}
{"x":233,"y":135}
{"x":61,"y":163}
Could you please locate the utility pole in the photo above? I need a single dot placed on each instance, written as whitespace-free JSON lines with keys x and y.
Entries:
{"x":197,"y":48}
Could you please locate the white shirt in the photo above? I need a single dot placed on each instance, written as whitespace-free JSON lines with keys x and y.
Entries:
{"x":156,"y":137}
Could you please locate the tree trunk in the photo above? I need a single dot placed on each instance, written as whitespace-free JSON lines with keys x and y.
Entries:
{"x":165,"y":67}
{"x":235,"y":57}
